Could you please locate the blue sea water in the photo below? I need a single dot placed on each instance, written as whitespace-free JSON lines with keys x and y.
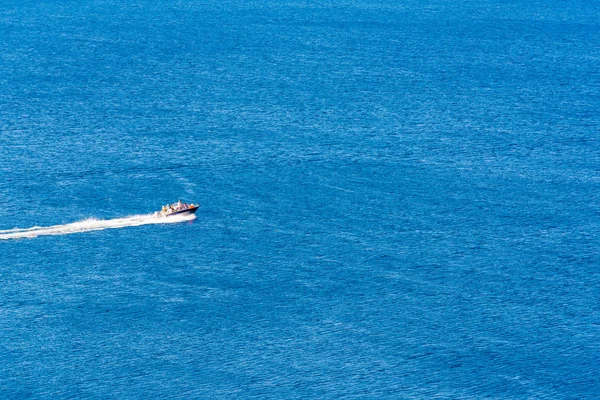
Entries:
{"x":400,"y":199}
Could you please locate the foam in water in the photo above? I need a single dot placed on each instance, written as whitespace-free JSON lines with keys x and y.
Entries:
{"x":91,"y":224}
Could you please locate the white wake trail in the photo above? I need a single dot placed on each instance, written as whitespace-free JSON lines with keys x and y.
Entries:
{"x":91,"y":224}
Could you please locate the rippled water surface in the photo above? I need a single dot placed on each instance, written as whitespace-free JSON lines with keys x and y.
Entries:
{"x":399,"y":199}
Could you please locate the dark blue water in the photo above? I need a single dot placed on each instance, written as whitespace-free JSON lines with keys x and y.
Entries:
{"x":399,"y":199}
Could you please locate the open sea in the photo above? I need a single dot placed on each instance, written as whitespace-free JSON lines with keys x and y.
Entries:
{"x":400,"y":199}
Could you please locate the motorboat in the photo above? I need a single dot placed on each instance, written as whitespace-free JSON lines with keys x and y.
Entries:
{"x":178,"y":209}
